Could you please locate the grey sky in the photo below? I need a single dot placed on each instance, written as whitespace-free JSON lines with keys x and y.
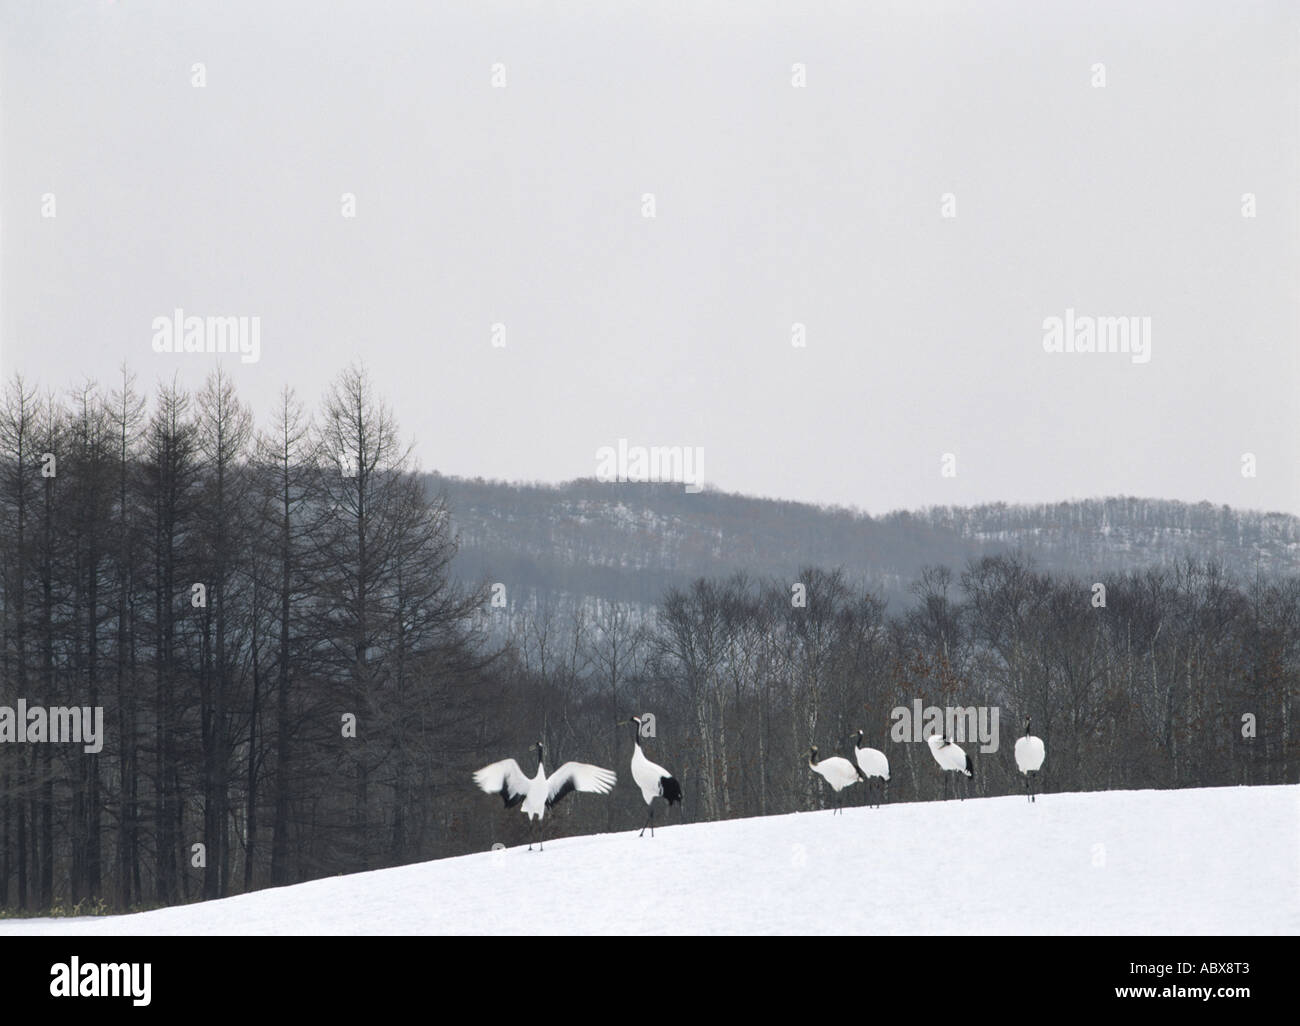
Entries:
{"x":775,"y":204}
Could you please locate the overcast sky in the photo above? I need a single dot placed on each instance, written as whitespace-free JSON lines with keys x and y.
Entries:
{"x":774,"y":204}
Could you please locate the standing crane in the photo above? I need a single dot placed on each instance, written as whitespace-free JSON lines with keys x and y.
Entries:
{"x":951,"y":759}
{"x":1030,"y":754}
{"x":874,"y":765}
{"x":654,"y":780}
{"x":836,"y":771}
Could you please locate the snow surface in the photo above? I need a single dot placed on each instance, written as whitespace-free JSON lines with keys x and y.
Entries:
{"x":1216,"y":861}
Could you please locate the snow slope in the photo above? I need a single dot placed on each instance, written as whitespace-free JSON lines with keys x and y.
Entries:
{"x":1222,"y":860}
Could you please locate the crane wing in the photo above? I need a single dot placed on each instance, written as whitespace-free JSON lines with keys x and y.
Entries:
{"x":504,"y":778}
{"x":578,"y":776}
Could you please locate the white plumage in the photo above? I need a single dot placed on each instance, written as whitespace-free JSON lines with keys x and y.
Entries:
{"x":836,"y":771}
{"x":872,"y":762}
{"x":653,"y":780}
{"x":536,"y":795}
{"x":951,"y":758}
{"x":1030,"y":754}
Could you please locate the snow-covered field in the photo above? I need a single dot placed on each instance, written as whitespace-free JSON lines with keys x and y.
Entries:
{"x":1223,"y":860}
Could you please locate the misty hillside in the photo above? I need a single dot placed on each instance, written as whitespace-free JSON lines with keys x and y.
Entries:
{"x":632,"y":541}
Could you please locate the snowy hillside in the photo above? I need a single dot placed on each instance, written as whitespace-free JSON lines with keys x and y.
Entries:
{"x":1223,"y":860}
{"x":632,"y":541}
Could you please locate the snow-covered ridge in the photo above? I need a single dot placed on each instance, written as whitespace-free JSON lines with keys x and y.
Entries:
{"x":630,"y":542}
{"x":1207,"y":861}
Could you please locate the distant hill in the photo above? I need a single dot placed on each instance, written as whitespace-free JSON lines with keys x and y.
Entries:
{"x":586,"y":539}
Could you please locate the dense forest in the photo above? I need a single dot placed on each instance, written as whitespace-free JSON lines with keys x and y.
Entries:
{"x":303,"y":647}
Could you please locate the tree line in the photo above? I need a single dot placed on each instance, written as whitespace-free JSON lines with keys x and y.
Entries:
{"x":286,"y":668}
{"x":296,"y":684}
{"x":1168,"y":676}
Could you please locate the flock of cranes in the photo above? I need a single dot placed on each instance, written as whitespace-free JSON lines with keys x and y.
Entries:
{"x":535,"y":795}
{"x":873,"y":767}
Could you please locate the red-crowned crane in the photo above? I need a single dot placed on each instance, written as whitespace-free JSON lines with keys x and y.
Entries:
{"x":1030,"y":754}
{"x":836,"y":771}
{"x":541,"y":792}
{"x":951,"y":759}
{"x":874,"y":766}
{"x":654,"y":780}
